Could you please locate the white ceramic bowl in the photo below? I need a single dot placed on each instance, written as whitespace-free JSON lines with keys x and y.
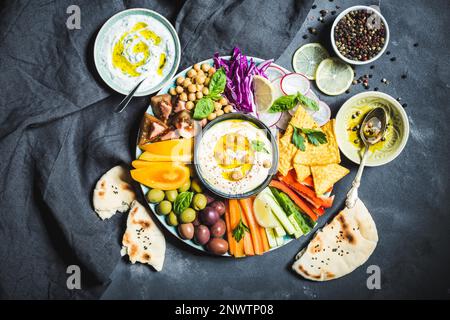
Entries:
{"x":397,"y":116}
{"x":340,"y":16}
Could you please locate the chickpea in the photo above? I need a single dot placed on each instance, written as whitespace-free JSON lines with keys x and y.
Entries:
{"x":205,"y":91}
{"x":186,"y":82}
{"x":206,"y":67}
{"x":223,"y":101}
{"x":266,"y":164}
{"x":192,"y":88}
{"x":199,"y":95}
{"x":211,"y":71}
{"x":200,"y":73}
{"x":217,"y":106}
{"x":200,"y":79}
{"x":183,"y":96}
{"x":192,"y":73}
{"x":180,"y":80}
{"x":179,"y":89}
{"x":172,"y":91}
{"x":228,"y":108}
{"x":219,"y":112}
{"x":237,"y":175}
{"x":207,"y":81}
{"x":190,"y":105}
{"x":196,"y":66}
{"x":191,"y":96}
{"x":200,"y":87}
{"x":212,"y":116}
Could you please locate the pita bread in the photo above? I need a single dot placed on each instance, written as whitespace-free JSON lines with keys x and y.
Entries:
{"x":342,"y":246}
{"x":113,"y":193}
{"x":143,"y":241}
{"x":326,"y":176}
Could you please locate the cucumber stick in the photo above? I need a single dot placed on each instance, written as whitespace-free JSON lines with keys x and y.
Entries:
{"x":298,"y":232}
{"x":278,"y":212}
{"x":271,"y":237}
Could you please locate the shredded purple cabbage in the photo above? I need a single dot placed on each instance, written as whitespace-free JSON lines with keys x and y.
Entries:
{"x":240,"y":71}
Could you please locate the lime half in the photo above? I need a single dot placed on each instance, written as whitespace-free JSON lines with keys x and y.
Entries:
{"x":333,"y":76}
{"x":307,"y":58}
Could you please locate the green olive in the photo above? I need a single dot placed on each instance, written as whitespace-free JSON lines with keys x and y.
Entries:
{"x":199,"y":201}
{"x":195,"y":186}
{"x":155,"y":196}
{"x":164,"y":207}
{"x":185,"y":187}
{"x":172,"y":219}
{"x":171,"y":195}
{"x":188,"y":215}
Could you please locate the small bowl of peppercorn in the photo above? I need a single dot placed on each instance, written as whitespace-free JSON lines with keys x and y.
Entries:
{"x":359,"y":35}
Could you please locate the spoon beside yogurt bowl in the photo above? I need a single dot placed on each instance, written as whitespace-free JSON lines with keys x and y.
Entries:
{"x":371,"y":132}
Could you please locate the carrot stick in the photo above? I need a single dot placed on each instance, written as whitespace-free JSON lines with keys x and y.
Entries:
{"x":248,"y":245}
{"x":305,"y":192}
{"x":294,"y":197}
{"x":265,"y":242}
{"x":231,"y":241}
{"x":247,"y":207}
{"x":308,"y":181}
{"x":235,"y":217}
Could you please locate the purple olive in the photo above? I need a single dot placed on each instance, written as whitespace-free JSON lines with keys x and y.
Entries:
{"x":209,"y":216}
{"x":186,"y":230}
{"x":218,"y":229}
{"x":202,"y":234}
{"x":196,"y":222}
{"x":217,"y":246}
{"x":219,"y":206}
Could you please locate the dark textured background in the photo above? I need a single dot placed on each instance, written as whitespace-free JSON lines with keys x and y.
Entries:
{"x":408,"y":198}
{"x":58,"y":135}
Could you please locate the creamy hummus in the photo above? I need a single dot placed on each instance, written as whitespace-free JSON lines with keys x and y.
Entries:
{"x":234,"y":156}
{"x":138,"y":47}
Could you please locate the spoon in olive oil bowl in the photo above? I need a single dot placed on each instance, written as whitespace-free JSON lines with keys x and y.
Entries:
{"x":371,"y":131}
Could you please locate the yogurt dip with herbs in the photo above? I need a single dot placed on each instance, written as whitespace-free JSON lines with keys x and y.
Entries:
{"x":234,"y":156}
{"x":138,"y":47}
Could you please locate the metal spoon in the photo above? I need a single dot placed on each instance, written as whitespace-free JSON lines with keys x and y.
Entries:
{"x":371,"y":131}
{"x":124,"y":103}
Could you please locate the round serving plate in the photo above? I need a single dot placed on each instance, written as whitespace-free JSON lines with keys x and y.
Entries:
{"x":161,"y":218}
{"x":396,"y":114}
{"x":100,"y":58}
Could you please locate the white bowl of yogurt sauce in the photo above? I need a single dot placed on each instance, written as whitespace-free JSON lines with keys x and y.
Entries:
{"x":134,"y":45}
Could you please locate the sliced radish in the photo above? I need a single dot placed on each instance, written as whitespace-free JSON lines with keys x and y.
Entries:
{"x":310,"y":94}
{"x":322,"y":115}
{"x":269,"y":119}
{"x":276,"y":83}
{"x":293,"y":83}
{"x":273,"y":72}
{"x":284,"y":120}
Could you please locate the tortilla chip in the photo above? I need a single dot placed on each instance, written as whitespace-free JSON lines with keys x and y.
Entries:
{"x":322,"y":154}
{"x":326,"y":176}
{"x":287,"y":150}
{"x":302,"y":172}
{"x":302,"y":119}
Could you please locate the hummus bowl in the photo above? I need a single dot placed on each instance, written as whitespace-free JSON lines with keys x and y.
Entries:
{"x":235,"y":156}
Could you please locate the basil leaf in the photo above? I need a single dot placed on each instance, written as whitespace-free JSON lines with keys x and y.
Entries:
{"x":307,"y":102}
{"x":298,"y":140}
{"x":182,"y":202}
{"x":258,"y":146}
{"x":283,"y":103}
{"x":203,"y":108}
{"x":240,"y":230}
{"x":217,"y":83}
{"x":315,"y":137}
